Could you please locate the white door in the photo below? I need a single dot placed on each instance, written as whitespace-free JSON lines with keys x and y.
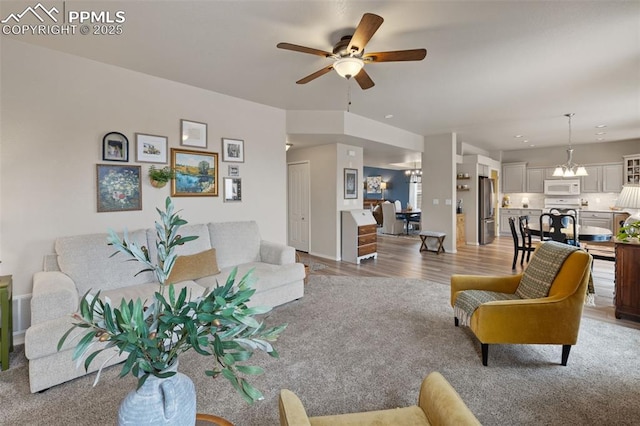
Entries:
{"x":298,"y":206}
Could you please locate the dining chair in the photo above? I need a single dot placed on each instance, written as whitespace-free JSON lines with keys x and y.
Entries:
{"x":556,"y":223}
{"x":525,"y":234}
{"x":390,"y":224}
{"x":518,"y":247}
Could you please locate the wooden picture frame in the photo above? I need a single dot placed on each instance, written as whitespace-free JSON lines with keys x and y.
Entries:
{"x":115,"y":147}
{"x":232,"y":150}
{"x":350,"y":184}
{"x":151,"y":148}
{"x":118,"y":188}
{"x":232,"y":189}
{"x":196,"y":173}
{"x":193,"y":133}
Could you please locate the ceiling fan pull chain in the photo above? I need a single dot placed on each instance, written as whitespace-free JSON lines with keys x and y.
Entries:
{"x":348,"y":96}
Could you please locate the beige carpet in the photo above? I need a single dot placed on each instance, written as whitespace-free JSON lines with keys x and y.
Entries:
{"x":356,"y":344}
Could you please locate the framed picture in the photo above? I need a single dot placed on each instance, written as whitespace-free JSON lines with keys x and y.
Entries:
{"x":118,"y":188}
{"x":196,"y":173}
{"x":115,"y":147}
{"x":193,"y":133}
{"x":232,"y":189}
{"x":350,"y":183}
{"x":234,"y":171}
{"x":151,"y":148}
{"x":232,"y":150}
{"x":374,"y":185}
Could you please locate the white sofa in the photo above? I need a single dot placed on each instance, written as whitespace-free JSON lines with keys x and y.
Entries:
{"x":83,"y":263}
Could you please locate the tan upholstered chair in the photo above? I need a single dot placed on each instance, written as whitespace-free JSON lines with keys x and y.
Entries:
{"x":553,"y":320}
{"x":438,"y":404}
{"x":390,"y":224}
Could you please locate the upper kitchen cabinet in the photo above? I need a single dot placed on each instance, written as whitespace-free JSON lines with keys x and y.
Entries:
{"x":631,"y":168}
{"x":514,"y":177}
{"x":535,"y":180}
{"x":604,"y":178}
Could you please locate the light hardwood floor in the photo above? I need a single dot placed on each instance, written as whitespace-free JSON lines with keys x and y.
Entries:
{"x":399,"y":256}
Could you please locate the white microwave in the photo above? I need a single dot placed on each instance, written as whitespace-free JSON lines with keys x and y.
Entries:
{"x":562,"y":187}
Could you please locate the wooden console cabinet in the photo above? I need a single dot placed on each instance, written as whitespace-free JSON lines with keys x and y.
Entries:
{"x":359,"y":235}
{"x":460,"y":230}
{"x":627,"y":298}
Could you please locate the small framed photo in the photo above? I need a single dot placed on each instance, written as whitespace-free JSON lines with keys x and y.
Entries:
{"x":115,"y":147}
{"x":196,"y":173}
{"x":234,"y":171}
{"x":118,"y":188}
{"x":232,"y":189}
{"x":193,"y":133}
{"x":232,"y":150}
{"x":350,"y":183}
{"x":151,"y":148}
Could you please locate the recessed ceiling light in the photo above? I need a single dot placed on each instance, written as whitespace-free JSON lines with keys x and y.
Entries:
{"x":601,"y":133}
{"x":600,"y":139}
{"x":388,"y":116}
{"x":526,"y":141}
{"x":532,"y":145}
{"x":600,"y":126}
{"x":518,"y":136}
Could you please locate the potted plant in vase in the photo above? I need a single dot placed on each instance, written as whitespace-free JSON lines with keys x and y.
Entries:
{"x":217,"y":323}
{"x":629,"y":232}
{"x":160,"y":177}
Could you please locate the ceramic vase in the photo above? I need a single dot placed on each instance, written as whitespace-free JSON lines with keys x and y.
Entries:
{"x":170,"y":401}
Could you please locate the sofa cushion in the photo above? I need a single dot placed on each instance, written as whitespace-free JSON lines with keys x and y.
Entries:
{"x":266,"y":276}
{"x":235,"y":242}
{"x":194,"y":266}
{"x":145,"y":292}
{"x":86,"y":259}
{"x":198,"y":245}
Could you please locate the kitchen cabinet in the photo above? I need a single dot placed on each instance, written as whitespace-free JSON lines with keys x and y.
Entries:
{"x":627,"y":298}
{"x":602,"y":178}
{"x":359,"y":235}
{"x":505,"y":214}
{"x":548,"y":173}
{"x":460,"y":230}
{"x":514,"y":176}
{"x":535,"y":180}
{"x":599,"y":219}
{"x":631,"y":168}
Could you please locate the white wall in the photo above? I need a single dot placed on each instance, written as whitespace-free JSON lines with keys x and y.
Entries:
{"x":327,"y":164}
{"x":438,"y":183}
{"x":55,"y":110}
{"x":594,"y":153}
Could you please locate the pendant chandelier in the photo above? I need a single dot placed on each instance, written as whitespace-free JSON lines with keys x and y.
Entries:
{"x":570,"y":169}
{"x":414,"y":175}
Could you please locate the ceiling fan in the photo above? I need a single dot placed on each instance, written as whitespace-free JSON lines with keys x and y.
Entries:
{"x":349,"y":57}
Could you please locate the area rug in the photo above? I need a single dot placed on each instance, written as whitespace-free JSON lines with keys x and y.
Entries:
{"x":356,"y":344}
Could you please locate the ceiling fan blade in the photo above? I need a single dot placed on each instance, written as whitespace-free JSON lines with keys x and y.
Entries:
{"x":364,"y":80}
{"x":397,"y":55}
{"x":303,"y":49}
{"x":367,"y":27}
{"x":315,"y":75}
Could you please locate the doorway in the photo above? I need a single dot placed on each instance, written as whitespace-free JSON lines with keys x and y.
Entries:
{"x":298,"y":205}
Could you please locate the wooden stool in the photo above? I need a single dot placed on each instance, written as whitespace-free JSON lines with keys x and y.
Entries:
{"x":6,"y":320}
{"x":425,"y":235}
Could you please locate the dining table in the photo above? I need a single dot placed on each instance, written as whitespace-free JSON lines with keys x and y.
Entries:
{"x":585,"y":232}
{"x":406,"y":215}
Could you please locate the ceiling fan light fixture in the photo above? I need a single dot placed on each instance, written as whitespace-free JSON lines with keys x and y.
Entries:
{"x":348,"y":67}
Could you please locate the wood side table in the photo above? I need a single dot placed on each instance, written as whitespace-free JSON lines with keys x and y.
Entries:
{"x":6,"y":320}
{"x":209,"y":419}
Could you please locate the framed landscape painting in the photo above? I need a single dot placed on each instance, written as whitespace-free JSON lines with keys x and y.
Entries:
{"x":151,"y":148}
{"x":118,"y":188}
{"x":196,"y":173}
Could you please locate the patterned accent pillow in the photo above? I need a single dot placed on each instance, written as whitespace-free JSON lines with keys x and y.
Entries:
{"x":542,"y":270}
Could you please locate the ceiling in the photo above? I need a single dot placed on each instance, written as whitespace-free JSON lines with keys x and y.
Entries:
{"x":494,"y":69}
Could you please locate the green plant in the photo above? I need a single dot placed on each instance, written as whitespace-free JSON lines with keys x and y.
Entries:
{"x":630,"y":230}
{"x":164,"y":174}
{"x":217,"y":324}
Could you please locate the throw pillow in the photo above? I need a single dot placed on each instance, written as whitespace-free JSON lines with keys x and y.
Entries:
{"x":194,"y":266}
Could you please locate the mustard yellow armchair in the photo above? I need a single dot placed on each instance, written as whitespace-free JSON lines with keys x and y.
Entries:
{"x":554,"y":319}
{"x":438,"y":404}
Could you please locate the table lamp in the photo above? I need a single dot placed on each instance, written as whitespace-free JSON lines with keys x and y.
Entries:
{"x":630,"y":199}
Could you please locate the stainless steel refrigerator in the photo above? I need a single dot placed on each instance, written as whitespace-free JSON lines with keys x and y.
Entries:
{"x":486,"y":214}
